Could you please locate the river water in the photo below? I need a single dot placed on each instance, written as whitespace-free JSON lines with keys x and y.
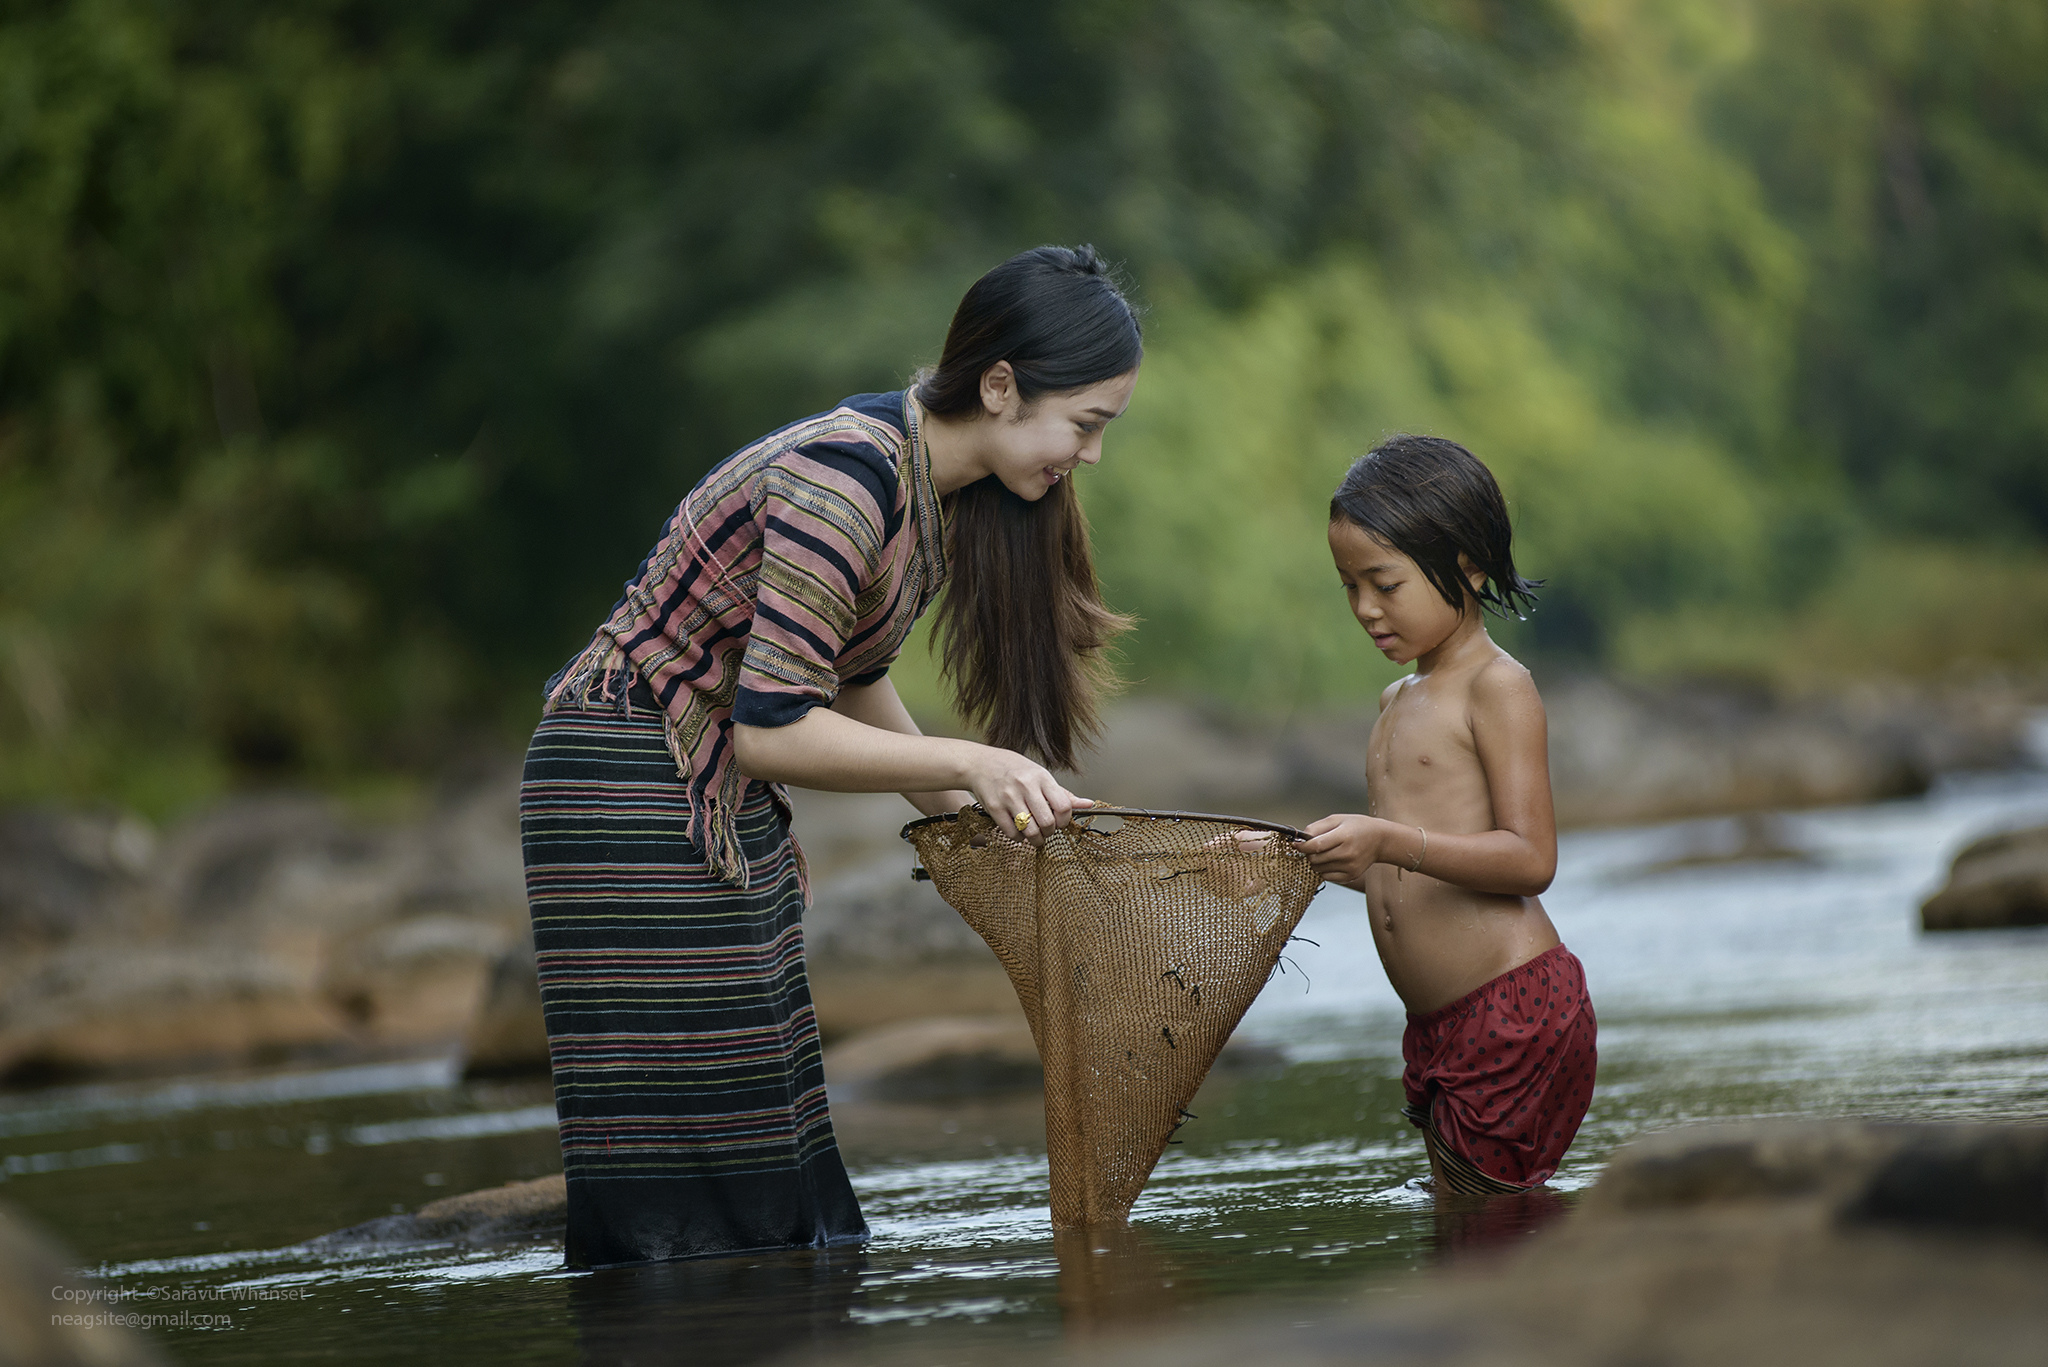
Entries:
{"x":1790,"y":981}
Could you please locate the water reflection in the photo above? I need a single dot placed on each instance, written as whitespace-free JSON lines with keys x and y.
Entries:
{"x":1473,"y":1224}
{"x":1111,"y":1279}
{"x":714,"y":1312}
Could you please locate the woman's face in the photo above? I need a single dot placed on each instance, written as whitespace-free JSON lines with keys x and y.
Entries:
{"x":1031,"y":448}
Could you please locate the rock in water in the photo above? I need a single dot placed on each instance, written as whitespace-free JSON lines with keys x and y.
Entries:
{"x":267,"y":929}
{"x":1988,"y":1179}
{"x":62,"y":874}
{"x":938,"y":1058}
{"x":1623,"y":753}
{"x":510,"y":1036}
{"x":46,"y":1319}
{"x":518,"y":1210}
{"x":1996,"y":882}
{"x":884,"y":948}
{"x":934,"y":1058}
{"x":876,"y":913}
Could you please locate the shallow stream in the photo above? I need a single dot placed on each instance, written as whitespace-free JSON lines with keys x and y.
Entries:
{"x":1796,"y":983}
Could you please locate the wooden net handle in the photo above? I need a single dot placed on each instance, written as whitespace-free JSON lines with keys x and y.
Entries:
{"x":1155,"y":814}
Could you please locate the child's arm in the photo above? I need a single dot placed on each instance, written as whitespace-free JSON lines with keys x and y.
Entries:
{"x":1518,"y":857}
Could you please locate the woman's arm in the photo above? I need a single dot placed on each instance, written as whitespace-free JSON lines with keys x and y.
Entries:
{"x":853,"y":750}
{"x":878,"y":706}
{"x":1518,"y":857}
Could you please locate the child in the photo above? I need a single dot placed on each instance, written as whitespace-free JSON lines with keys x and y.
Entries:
{"x":1460,"y":838}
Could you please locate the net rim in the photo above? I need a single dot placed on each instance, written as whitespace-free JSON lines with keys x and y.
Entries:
{"x":1278,"y":828}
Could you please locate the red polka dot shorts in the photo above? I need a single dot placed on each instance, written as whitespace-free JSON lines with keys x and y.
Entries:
{"x":1504,"y":1075}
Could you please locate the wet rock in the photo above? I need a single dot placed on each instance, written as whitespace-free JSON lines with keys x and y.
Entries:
{"x":266,"y":929}
{"x":875,"y":912}
{"x":852,"y":996}
{"x":1622,"y":754}
{"x":38,"y":1295}
{"x":1166,"y":753}
{"x":885,"y":949}
{"x":1999,"y":881}
{"x":257,"y":858}
{"x":1987,"y":1177}
{"x":92,"y":1011}
{"x":62,"y":874}
{"x":937,"y":1057}
{"x":1240,"y":1055}
{"x":1714,"y":842}
{"x":509,"y":1037}
{"x":418,"y":979}
{"x":1619,"y":752}
{"x":538,"y":1209}
{"x":844,"y":831}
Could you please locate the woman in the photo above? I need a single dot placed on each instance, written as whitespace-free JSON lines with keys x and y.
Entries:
{"x":752,"y":649}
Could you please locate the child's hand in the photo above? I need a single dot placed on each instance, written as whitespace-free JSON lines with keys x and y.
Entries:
{"x":1341,"y":848}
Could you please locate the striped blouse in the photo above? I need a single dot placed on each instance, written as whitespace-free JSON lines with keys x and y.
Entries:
{"x":796,"y":567}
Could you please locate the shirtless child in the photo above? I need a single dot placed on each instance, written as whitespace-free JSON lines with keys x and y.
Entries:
{"x":1460,"y":839}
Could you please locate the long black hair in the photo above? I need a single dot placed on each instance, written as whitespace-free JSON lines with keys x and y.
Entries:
{"x":1023,"y":625}
{"x":1432,"y":500}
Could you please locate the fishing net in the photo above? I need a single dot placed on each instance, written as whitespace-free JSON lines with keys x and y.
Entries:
{"x":1135,"y":941}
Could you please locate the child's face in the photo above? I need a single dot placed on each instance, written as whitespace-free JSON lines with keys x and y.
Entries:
{"x":1390,"y":596}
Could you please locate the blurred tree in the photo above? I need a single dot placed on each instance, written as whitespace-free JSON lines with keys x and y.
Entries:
{"x":351,"y":350}
{"x":1906,"y":142}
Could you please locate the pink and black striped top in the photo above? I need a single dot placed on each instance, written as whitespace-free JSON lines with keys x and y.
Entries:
{"x":797,"y":566}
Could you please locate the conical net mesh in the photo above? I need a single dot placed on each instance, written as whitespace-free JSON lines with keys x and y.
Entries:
{"x":1135,"y":940}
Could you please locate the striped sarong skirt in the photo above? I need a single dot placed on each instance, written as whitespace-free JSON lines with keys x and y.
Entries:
{"x":685,"y":1050}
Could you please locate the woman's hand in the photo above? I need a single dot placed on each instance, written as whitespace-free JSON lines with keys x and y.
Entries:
{"x":866,"y":743}
{"x":1342,"y":848}
{"x":1006,"y":783}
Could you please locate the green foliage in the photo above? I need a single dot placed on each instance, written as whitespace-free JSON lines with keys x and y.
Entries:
{"x":1211,"y":507}
{"x":1898,"y":608}
{"x":1906,"y":142}
{"x":351,"y":351}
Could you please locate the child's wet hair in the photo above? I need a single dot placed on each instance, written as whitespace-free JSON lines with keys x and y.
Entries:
{"x":1432,"y":500}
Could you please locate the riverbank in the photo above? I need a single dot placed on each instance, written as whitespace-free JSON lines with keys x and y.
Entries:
{"x":279,"y":927}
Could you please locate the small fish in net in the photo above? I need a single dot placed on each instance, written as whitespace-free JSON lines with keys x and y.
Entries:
{"x":1135,"y":940}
